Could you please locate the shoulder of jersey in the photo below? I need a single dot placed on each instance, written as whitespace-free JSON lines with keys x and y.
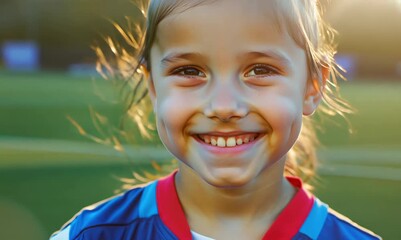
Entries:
{"x":133,"y":211}
{"x":337,"y":226}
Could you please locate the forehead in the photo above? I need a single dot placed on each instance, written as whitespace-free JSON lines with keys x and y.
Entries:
{"x":225,"y":26}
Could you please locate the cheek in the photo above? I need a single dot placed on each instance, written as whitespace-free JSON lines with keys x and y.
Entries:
{"x":173,"y":113}
{"x":280,"y":108}
{"x":284,"y":115}
{"x":286,"y":118}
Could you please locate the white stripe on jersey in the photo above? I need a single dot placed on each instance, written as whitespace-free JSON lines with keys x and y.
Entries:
{"x":62,"y":235}
{"x":197,"y":236}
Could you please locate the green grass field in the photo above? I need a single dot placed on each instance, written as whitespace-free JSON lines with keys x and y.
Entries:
{"x":48,"y":171}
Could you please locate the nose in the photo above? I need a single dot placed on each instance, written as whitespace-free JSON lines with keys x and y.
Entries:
{"x":225,"y":104}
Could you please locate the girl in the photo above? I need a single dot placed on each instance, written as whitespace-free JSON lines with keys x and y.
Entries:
{"x":232,"y":83}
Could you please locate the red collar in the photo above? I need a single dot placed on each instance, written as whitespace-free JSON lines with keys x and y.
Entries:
{"x":286,"y":226}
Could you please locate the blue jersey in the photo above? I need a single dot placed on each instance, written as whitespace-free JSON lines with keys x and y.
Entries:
{"x":154,"y":212}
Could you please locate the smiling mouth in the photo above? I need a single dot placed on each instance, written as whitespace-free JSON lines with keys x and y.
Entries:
{"x":228,"y":141}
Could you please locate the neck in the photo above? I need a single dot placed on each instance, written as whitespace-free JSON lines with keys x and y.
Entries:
{"x":259,"y":202}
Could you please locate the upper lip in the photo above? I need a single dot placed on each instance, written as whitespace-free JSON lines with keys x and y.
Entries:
{"x":228,"y":134}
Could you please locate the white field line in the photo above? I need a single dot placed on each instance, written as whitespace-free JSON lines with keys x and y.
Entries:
{"x":73,"y":152}
{"x":336,"y":161}
{"x":383,"y":173}
{"x":365,"y":155}
{"x":366,"y":162}
{"x":84,"y":148}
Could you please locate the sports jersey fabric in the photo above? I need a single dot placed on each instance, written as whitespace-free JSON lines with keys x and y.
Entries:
{"x":197,"y":236}
{"x":154,"y":212}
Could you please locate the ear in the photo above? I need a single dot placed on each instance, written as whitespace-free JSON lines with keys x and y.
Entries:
{"x":314,"y":91}
{"x":150,"y":84}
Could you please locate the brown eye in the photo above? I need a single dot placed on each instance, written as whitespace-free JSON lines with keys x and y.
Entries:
{"x":261,"y":70}
{"x":189,"y":71}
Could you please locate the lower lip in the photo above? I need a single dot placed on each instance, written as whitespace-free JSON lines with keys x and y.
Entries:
{"x":229,"y":150}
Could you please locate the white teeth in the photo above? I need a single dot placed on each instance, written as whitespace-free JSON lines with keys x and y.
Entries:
{"x":228,"y":141}
{"x":213,"y":142}
{"x":221,"y":142}
{"x":231,"y":142}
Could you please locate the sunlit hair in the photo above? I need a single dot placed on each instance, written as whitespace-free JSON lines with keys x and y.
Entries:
{"x":300,"y":18}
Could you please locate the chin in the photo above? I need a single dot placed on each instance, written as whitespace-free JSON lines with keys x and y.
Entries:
{"x":227,"y":179}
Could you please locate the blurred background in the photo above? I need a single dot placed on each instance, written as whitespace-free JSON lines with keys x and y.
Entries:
{"x":50,"y":168}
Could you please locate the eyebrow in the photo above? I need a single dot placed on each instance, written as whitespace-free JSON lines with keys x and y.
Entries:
{"x":278,"y":56}
{"x":174,"y":57}
{"x":270,"y":53}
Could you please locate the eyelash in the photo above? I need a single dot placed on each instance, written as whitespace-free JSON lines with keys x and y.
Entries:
{"x":178,"y":71}
{"x":271,"y":70}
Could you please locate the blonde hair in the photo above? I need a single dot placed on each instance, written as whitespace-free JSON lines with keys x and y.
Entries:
{"x":300,"y":18}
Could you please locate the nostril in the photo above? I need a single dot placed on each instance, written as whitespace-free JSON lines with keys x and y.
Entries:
{"x":224,"y":110}
{"x":225,"y":119}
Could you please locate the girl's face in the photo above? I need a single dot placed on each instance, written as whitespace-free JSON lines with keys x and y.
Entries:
{"x":224,"y":74}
